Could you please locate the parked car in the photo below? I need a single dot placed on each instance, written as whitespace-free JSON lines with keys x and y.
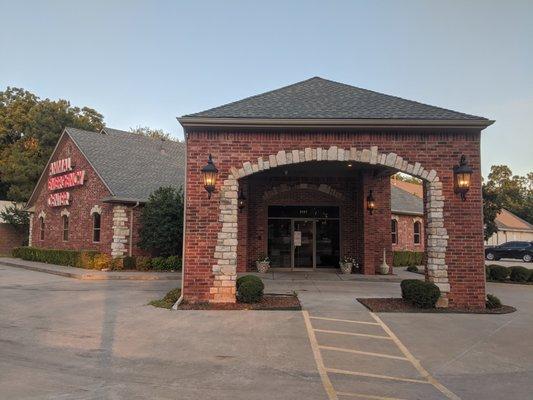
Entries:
{"x":522,"y":250}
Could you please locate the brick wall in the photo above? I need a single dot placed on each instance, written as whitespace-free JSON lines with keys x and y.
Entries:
{"x":405,"y":235}
{"x":10,"y":238}
{"x":438,"y":150}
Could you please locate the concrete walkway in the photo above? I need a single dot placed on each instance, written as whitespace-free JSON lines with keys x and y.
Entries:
{"x":88,"y":274}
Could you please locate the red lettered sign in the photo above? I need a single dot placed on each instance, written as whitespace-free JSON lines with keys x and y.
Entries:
{"x":66,"y":181}
{"x":60,"y":166}
{"x":59,"y":199}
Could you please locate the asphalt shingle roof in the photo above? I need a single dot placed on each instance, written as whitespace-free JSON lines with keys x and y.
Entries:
{"x":319,"y":98}
{"x":131,"y":165}
{"x":403,"y":202}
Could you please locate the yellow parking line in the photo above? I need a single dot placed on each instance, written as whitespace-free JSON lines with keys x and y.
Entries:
{"x":326,"y":382}
{"x":352,"y":334}
{"x":439,"y":386}
{"x":345,"y":320}
{"x":392,"y":378}
{"x":366,"y":353}
{"x":367,"y":396}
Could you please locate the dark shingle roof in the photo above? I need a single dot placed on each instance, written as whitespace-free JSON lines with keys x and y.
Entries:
{"x":403,"y":202}
{"x":319,"y":98}
{"x":131,"y":165}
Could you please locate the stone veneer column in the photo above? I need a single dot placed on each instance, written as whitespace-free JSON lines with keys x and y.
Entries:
{"x":121,"y":232}
{"x":30,"y":240}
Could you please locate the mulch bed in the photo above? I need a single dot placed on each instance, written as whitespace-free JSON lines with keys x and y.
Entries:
{"x":282,"y":302}
{"x":402,"y":306}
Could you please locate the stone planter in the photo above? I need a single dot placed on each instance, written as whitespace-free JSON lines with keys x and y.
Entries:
{"x":346,"y":268}
{"x":262,"y":266}
{"x":384,"y":269}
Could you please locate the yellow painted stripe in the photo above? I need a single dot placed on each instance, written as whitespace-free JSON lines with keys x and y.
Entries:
{"x":326,"y":382}
{"x":366,"y":374}
{"x":439,"y":386}
{"x":367,"y":396}
{"x":345,"y":320}
{"x":352,"y":334}
{"x":366,"y":353}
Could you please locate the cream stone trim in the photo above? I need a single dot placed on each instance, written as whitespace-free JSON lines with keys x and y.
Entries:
{"x":225,"y":255}
{"x":65,"y":212}
{"x":42,"y":215}
{"x":96,"y":209}
{"x":121,"y":232}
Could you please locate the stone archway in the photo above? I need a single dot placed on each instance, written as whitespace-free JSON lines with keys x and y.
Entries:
{"x":225,"y":268}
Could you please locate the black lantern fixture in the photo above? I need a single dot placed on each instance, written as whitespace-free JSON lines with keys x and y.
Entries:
{"x":241,"y":200}
{"x":370,"y":203}
{"x":210,"y":176}
{"x":462,"y":175}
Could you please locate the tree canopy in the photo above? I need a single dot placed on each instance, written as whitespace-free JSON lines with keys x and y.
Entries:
{"x":162,"y":223}
{"x":29,"y":130}
{"x":151,"y":133}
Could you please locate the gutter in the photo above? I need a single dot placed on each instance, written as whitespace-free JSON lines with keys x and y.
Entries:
{"x":332,"y":123}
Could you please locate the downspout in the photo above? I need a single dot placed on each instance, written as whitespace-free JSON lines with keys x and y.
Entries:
{"x":130,"y":251}
{"x":180,"y":299}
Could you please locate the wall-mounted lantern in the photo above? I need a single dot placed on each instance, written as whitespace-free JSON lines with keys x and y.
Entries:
{"x":241,"y":200}
{"x":210,"y":172}
{"x":370,"y":203}
{"x":462,"y":175}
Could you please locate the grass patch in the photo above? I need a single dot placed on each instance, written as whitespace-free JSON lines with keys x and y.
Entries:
{"x":168,"y":301}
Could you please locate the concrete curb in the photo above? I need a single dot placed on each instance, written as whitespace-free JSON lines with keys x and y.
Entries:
{"x":98,"y":276}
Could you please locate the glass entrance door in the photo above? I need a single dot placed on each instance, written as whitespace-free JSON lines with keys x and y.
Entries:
{"x":303,"y":240}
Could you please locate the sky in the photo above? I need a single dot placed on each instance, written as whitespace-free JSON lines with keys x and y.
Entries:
{"x":144,"y":63}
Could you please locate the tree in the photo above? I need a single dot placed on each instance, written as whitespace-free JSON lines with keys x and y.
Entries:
{"x":162,"y":223}
{"x":151,"y":133}
{"x":29,"y":130}
{"x":407,"y":178}
{"x":15,"y":216}
{"x":491,"y":208}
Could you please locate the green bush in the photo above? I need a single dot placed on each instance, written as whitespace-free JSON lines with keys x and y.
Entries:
{"x":169,"y":300}
{"x":499,"y":273}
{"x":421,"y":294}
{"x":73,"y":258}
{"x":129,"y":262}
{"x":143,"y":263}
{"x":492,"y":302}
{"x":174,"y":263}
{"x":519,"y":274}
{"x":407,"y":258}
{"x":488,"y":269}
{"x":250,"y":290}
{"x":245,"y":278}
{"x":159,"y":264}
{"x":412,"y":268}
{"x":531,"y":275}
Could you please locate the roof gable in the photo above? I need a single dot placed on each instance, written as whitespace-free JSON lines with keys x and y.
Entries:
{"x":403,"y":202}
{"x":319,"y":98}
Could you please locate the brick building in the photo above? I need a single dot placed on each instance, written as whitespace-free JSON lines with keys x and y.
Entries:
{"x":297,"y":170}
{"x":92,"y":190}
{"x":10,"y":237}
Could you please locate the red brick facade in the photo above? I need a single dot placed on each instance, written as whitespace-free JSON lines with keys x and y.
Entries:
{"x":405,"y":239}
{"x":439,"y":150}
{"x":83,"y":199}
{"x":10,"y":238}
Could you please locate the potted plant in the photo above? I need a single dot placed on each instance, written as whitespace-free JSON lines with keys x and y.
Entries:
{"x":262,"y":263}
{"x":347,"y":264}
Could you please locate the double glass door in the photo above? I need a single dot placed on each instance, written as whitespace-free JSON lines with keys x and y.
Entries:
{"x":302,"y":243}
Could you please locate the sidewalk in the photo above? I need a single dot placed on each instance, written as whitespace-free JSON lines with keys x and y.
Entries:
{"x":89,"y":274}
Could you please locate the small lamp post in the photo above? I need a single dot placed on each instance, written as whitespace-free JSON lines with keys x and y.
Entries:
{"x":370,"y":203}
{"x":210,"y":172}
{"x":462,"y":175}
{"x":241,"y":200}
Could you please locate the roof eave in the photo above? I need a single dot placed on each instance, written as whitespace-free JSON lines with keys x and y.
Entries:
{"x":337,"y":123}
{"x":403,"y":212}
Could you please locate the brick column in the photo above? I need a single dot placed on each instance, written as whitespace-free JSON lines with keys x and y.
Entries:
{"x":376,"y":227}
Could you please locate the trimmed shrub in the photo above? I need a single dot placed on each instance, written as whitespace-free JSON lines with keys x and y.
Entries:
{"x":250,"y":290}
{"x":421,"y":294}
{"x":174,"y":263}
{"x":492,"y":302}
{"x":519,"y":274}
{"x":116,"y":264}
{"x":407,"y":258}
{"x":129,"y":262}
{"x":412,"y":268}
{"x":143,"y":263}
{"x":531,"y":275}
{"x":168,"y":301}
{"x":72,"y":258}
{"x":102,"y":261}
{"x":499,"y":273}
{"x":488,"y":272}
{"x":245,"y":278}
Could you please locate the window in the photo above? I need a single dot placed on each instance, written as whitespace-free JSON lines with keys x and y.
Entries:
{"x":65,"y":228}
{"x":416,"y":237}
{"x":96,"y":227}
{"x":394,"y":231}
{"x":41,"y":228}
